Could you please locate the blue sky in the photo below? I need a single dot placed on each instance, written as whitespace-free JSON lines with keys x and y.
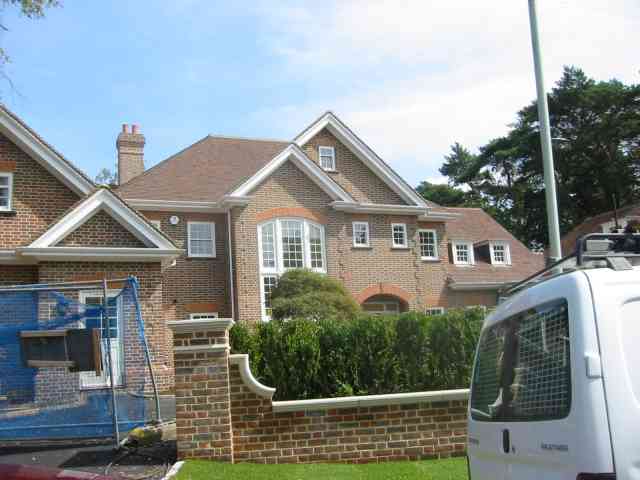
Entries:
{"x":411,"y":77}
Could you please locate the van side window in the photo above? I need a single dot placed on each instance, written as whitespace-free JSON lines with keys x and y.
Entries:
{"x":522,"y":370}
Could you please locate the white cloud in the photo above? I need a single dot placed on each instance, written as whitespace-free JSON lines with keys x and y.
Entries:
{"x":431,"y":73}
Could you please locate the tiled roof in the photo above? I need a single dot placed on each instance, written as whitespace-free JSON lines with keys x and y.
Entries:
{"x":592,"y":225}
{"x":476,"y":226}
{"x":205,"y":171}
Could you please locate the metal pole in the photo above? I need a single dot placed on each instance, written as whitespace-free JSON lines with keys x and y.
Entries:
{"x":105,"y":316}
{"x":555,"y":250}
{"x":91,"y":285}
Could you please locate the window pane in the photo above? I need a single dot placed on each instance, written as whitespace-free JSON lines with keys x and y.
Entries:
{"x":201,"y":239}
{"x":360,"y":234}
{"x":427,"y":244}
{"x":268,"y":284}
{"x":399,"y":235}
{"x":268,"y":246}
{"x":499,"y":254}
{"x":96,"y":321}
{"x":4,"y":181}
{"x":201,"y":231}
{"x":315,"y":247}
{"x":462,"y":253}
{"x":523,"y":370}
{"x":292,"y":251}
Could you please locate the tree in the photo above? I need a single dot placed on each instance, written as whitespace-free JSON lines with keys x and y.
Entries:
{"x":444,"y":195}
{"x":596,"y":127}
{"x":106,"y":177}
{"x":306,"y":294}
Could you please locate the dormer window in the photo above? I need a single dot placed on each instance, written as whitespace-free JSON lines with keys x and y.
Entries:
{"x":327,"y":157}
{"x":462,"y":253}
{"x":6,"y":187}
{"x":500,"y":254}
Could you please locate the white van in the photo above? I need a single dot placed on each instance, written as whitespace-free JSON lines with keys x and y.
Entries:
{"x":555,"y":391}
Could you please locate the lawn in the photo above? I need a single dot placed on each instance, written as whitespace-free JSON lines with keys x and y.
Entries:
{"x":449,"y":469}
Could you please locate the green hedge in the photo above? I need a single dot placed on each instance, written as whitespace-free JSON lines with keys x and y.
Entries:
{"x":368,"y":355}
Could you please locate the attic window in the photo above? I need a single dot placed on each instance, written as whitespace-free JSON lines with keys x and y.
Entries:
{"x":327,"y":157}
{"x":462,"y":253}
{"x":500,"y":254}
{"x":6,"y":186}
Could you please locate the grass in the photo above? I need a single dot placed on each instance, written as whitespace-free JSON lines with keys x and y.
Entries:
{"x":449,"y":469}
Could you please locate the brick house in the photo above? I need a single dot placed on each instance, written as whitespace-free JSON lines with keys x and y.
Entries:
{"x":209,"y":230}
{"x":246,"y":210}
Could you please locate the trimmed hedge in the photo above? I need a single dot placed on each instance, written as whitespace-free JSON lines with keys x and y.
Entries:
{"x":367,"y":355}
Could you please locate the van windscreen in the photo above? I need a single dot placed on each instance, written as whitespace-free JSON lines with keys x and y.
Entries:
{"x":522,"y":370}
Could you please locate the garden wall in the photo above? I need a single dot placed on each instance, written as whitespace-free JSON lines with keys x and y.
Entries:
{"x":224,"y":413}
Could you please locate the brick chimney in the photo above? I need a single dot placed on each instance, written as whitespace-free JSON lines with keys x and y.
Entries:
{"x":130,"y":146}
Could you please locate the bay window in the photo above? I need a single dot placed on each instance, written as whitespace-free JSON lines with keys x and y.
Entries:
{"x":284,"y":244}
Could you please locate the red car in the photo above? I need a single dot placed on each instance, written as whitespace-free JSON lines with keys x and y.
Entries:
{"x":27,"y":472}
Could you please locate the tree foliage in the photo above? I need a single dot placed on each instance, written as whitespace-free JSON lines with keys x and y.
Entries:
{"x":306,"y":294}
{"x":596,"y":131}
{"x":106,"y":177}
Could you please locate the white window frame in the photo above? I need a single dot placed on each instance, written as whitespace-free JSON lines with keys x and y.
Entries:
{"x":279,"y":268}
{"x":434,"y":310}
{"x":156,"y":223}
{"x":203,"y":315}
{"x":471,"y":256}
{"x":332,"y":150}
{"x":366,"y":229}
{"x":435,"y":244}
{"x":9,"y":206}
{"x":393,"y":239}
{"x":507,"y":253}
{"x":213,"y":240}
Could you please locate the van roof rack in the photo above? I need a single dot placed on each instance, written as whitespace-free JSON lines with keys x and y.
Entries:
{"x":612,"y":248}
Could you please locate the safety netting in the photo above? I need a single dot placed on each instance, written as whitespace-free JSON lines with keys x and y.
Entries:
{"x":71,"y":365}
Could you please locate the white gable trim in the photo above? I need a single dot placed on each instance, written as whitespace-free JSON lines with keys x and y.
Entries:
{"x":43,"y":154}
{"x":364,"y":153}
{"x":104,"y":200}
{"x":304,"y":163}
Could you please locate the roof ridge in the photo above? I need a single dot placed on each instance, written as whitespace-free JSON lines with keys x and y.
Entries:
{"x":249,"y":139}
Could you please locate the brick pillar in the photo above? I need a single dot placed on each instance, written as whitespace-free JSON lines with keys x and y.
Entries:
{"x":202,"y":388}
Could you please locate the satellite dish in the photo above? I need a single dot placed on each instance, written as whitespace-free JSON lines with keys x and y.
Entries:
{"x":174,"y":220}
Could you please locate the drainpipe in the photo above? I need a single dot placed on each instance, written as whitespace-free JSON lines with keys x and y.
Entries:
{"x":233,"y":299}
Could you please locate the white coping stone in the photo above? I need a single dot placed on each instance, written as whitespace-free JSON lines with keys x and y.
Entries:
{"x":242,"y":360}
{"x":173,"y":471}
{"x":218,"y":347}
{"x":181,"y":326}
{"x":370,"y":400}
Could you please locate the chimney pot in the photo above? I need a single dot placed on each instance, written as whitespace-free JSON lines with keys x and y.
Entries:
{"x":135,"y":128}
{"x":125,"y":127}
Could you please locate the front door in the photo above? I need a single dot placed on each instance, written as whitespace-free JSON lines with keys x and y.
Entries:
{"x":114,"y":331}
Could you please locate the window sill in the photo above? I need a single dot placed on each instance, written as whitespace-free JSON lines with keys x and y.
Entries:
{"x":361,"y":247}
{"x":464,"y":265}
{"x":330,"y":171}
{"x":501,"y":265}
{"x":430,"y":259}
{"x":8,"y":213}
{"x":204,"y":257}
{"x":399,"y":248}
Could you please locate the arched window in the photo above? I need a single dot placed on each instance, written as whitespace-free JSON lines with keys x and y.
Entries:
{"x":287,"y":243}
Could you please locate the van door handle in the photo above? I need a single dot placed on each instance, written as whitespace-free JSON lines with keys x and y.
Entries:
{"x":506,"y":441}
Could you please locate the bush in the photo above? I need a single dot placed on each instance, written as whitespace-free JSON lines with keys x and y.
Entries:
{"x":304,"y":358}
{"x":306,"y":294}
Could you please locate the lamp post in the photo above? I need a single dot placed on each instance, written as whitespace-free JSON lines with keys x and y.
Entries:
{"x":555,"y":251}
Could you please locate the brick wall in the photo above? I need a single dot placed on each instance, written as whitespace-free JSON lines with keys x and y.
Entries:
{"x":150,"y":296}
{"x":18,"y":274}
{"x":101,"y":230}
{"x":224,"y":414}
{"x":351,"y":174}
{"x":195,"y":285}
{"x":38,"y":197}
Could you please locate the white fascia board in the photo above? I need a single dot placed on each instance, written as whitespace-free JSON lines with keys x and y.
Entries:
{"x":101,"y":254}
{"x":103,"y":199}
{"x":378,"y":208}
{"x":44,"y":155}
{"x":473,"y":286}
{"x":304,"y":163}
{"x":11,"y":257}
{"x":175,"y":206}
{"x":362,"y":150}
{"x":370,"y":400}
{"x":438,"y":215}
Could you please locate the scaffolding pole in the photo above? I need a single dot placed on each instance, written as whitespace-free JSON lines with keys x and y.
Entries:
{"x":105,"y":317}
